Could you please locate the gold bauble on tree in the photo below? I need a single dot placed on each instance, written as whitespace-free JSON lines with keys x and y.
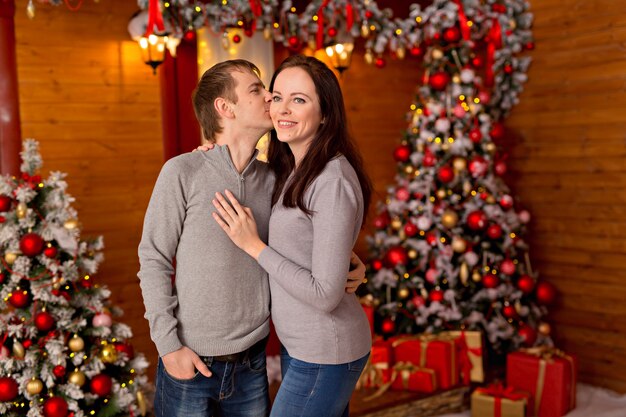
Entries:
{"x":476,"y":277}
{"x":76,"y":343}
{"x":10,"y":257}
{"x":34,"y":386}
{"x":490,"y":200}
{"x":18,"y":350}
{"x":458,"y":244}
{"x":21,"y":210}
{"x":70,"y":224}
{"x":77,"y":378}
{"x":436,"y":53}
{"x":409,"y":169}
{"x":412,"y":253}
{"x":403,"y":292}
{"x":441,"y":194}
{"x":459,"y":164}
{"x":396,"y":224}
{"x":490,"y":147}
{"x":141,"y":402}
{"x":544,"y":328}
{"x":108,"y":354}
{"x":449,"y":218}
{"x":464,"y":273}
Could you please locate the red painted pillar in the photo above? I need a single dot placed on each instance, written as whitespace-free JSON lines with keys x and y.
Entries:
{"x":179,"y":77}
{"x":10,"y":133}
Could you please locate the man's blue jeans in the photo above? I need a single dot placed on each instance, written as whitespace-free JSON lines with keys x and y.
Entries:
{"x":237,"y":389}
{"x":314,"y":390}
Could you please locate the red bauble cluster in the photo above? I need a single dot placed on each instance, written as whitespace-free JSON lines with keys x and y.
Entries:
{"x":31,"y":244}
{"x":396,"y":256}
{"x":101,"y":385}
{"x":55,"y":407}
{"x":402,"y":153}
{"x":8,"y":389}
{"x":439,"y":80}
{"x":44,"y":321}
{"x":5,"y":203}
{"x":477,"y":220}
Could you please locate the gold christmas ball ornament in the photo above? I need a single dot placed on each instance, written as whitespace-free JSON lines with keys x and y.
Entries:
{"x":396,"y":224}
{"x":141,"y":402}
{"x":108,"y":354}
{"x":476,"y":277}
{"x":436,"y":53}
{"x":490,"y":200}
{"x":449,"y":218}
{"x":21,"y":210}
{"x":76,"y":343}
{"x":459,"y":164}
{"x":77,"y":378}
{"x":10,"y":257}
{"x":490,"y":147}
{"x":403,"y":293}
{"x":409,"y":169}
{"x":34,"y":386}
{"x":456,"y":79}
{"x":365,"y":30}
{"x":544,"y":328}
{"x":464,"y":273}
{"x":369,"y":57}
{"x":267,"y":33}
{"x":459,"y":244}
{"x":412,"y":253}
{"x":441,"y":194}
{"x":401,"y":53}
{"x":70,"y":224}
{"x":18,"y":350}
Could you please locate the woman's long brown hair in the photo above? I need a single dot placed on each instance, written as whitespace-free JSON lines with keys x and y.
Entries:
{"x":331,"y":139}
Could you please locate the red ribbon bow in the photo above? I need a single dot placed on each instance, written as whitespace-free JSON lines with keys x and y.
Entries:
{"x":320,"y":25}
{"x":154,"y":18}
{"x":464,"y":360}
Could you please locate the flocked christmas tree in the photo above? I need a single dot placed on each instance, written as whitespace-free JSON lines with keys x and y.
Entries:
{"x":448,"y":251}
{"x":61,"y":352}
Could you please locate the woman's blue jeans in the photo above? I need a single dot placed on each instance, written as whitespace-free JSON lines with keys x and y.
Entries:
{"x":314,"y":390}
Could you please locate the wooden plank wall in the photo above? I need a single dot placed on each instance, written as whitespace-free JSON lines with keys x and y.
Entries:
{"x":87,"y":97}
{"x":568,"y":143}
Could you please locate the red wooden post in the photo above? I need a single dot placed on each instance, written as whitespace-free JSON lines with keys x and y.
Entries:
{"x":10,"y":132}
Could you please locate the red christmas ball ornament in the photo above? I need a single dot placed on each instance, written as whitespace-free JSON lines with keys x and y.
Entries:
{"x":236,"y":38}
{"x":507,"y":267}
{"x":126,"y":348}
{"x":436,"y":296}
{"x":396,"y":256}
{"x":439,"y":80}
{"x":500,"y":168}
{"x":429,"y":159}
{"x":410,"y":229}
{"x":445,"y":174}
{"x":55,"y":407}
{"x":5,"y":203}
{"x":452,"y":34}
{"x":2,"y":219}
{"x":27,"y":343}
{"x":402,"y":153}
{"x":248,"y":32}
{"x":477,"y":62}
{"x":497,"y":131}
{"x":477,"y":220}
{"x":494,"y":231}
{"x":44,"y":321}
{"x":403,"y":194}
{"x":431,"y":238}
{"x":380,"y":62}
{"x":475,"y":135}
{"x":19,"y":299}
{"x":491,"y":281}
{"x":101,"y":385}
{"x":190,"y":35}
{"x":530,"y":46}
{"x":509,"y":312}
{"x":508,"y":69}
{"x":31,"y":244}
{"x":59,"y":371}
{"x":526,"y":284}
{"x":416,"y":51}
{"x":506,"y":202}
{"x":388,"y":326}
{"x":86,"y":282}
{"x":2,"y":277}
{"x":50,"y":252}
{"x":528,"y":334}
{"x":382,"y":220}
{"x":369,"y":14}
{"x":545,"y":293}
{"x":332,"y":31}
{"x":418,"y":301}
{"x":8,"y":389}
{"x":478,"y":166}
{"x":294,"y":42}
{"x":437,"y":36}
{"x":377,"y":264}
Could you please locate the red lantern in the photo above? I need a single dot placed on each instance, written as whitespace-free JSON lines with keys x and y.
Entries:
{"x":382,"y":220}
{"x":491,"y":281}
{"x":19,"y":298}
{"x":377,"y":264}
{"x":475,"y":135}
{"x":101,"y":385}
{"x":5,"y":203}
{"x":396,"y":256}
{"x":44,"y":321}
{"x":59,"y":371}
{"x":439,"y":80}
{"x":529,"y":335}
{"x":545,"y":293}
{"x":388,"y":326}
{"x":477,"y":220}
{"x":8,"y":389}
{"x":452,"y":34}
{"x":494,"y":231}
{"x":526,"y":284}
{"x":436,"y":296}
{"x":31,"y":244}
{"x":497,"y":131}
{"x":55,"y":407}
{"x":445,"y":174}
{"x":410,"y":229}
{"x":402,"y":153}
{"x":126,"y":348}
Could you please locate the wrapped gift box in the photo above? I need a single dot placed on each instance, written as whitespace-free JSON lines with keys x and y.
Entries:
{"x":409,"y":377}
{"x":428,"y":351}
{"x":469,"y":347}
{"x":547,"y":373}
{"x":497,"y":401}
{"x":369,"y":312}
{"x":378,"y":370}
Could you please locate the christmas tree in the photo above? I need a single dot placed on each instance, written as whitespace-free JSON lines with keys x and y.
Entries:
{"x":448,"y":249}
{"x":61,"y":353}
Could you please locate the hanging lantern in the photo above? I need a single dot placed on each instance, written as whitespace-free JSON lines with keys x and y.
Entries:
{"x":152,"y":42}
{"x":340,"y":54}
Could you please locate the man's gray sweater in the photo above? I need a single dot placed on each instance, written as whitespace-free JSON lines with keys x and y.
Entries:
{"x":219,"y":301}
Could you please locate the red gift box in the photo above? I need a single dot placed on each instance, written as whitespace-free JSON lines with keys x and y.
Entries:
{"x":378,"y":370}
{"x":429,"y":351}
{"x":409,"y":377}
{"x":547,"y":373}
{"x":369,"y":312}
{"x":497,"y":401}
{"x":469,"y":351}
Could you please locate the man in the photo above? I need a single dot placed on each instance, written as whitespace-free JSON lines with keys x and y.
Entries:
{"x":211,"y":326}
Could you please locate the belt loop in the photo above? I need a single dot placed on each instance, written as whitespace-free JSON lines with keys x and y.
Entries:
{"x":208,"y":360}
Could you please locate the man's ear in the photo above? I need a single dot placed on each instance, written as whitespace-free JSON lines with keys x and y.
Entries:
{"x":224,"y":108}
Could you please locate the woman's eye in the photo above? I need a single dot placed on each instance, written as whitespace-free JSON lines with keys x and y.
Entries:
{"x":275,"y":99}
{"x":299,"y":100}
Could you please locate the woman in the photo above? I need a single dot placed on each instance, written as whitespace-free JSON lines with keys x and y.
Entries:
{"x":319,"y":202}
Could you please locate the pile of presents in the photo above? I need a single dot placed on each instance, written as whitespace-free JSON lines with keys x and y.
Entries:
{"x":540,"y":382}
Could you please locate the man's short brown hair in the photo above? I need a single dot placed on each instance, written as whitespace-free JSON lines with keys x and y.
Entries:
{"x":216,"y":82}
